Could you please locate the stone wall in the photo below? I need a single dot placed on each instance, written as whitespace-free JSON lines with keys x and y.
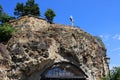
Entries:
{"x":37,"y":45}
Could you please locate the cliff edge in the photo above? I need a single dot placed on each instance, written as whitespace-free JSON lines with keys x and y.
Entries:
{"x":38,"y":45}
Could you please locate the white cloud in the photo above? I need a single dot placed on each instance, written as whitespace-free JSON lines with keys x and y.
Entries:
{"x":105,"y":37}
{"x":116,"y":36}
{"x":116,"y":49}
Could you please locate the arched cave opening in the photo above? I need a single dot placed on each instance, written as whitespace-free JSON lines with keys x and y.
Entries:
{"x":63,"y":71}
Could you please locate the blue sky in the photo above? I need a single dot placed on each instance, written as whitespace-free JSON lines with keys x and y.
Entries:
{"x":97,"y":17}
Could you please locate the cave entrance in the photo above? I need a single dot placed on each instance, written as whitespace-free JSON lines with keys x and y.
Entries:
{"x":63,"y":71}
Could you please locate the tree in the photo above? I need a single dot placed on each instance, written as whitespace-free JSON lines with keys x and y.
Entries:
{"x":30,"y":8}
{"x":6,"y":31}
{"x":50,"y":14}
{"x":19,"y":10}
{"x":3,"y":16}
{"x":115,"y":73}
{"x":1,"y":9}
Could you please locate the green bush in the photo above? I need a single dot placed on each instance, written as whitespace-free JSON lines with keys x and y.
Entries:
{"x":4,"y":18}
{"x":115,"y":73}
{"x":105,"y":78}
{"x":6,"y":31}
{"x":50,"y":14}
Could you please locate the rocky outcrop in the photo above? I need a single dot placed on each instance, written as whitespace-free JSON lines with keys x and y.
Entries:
{"x":37,"y":45}
{"x":5,"y":62}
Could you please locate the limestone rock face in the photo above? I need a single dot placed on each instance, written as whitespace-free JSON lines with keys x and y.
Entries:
{"x":37,"y":45}
{"x":5,"y":63}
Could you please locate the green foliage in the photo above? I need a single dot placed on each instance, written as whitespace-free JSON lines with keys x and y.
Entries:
{"x":3,"y":16}
{"x":50,"y":14}
{"x":19,"y":10}
{"x":1,"y":9}
{"x":105,"y":78}
{"x":115,"y":73}
{"x":6,"y":31}
{"x":30,"y":8}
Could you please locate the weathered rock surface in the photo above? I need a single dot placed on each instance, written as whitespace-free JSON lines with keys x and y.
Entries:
{"x":37,"y":45}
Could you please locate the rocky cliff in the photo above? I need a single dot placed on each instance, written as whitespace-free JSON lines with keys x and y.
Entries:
{"x":36,"y":45}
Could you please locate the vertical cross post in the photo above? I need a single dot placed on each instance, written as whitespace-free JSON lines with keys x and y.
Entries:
{"x":72,"y":21}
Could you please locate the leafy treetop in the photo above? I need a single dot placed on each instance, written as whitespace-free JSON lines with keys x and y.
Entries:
{"x":115,"y":73}
{"x":50,"y":14}
{"x":30,"y":8}
{"x":3,"y":16}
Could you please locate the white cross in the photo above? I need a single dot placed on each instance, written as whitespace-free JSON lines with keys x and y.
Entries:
{"x":72,"y":21}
